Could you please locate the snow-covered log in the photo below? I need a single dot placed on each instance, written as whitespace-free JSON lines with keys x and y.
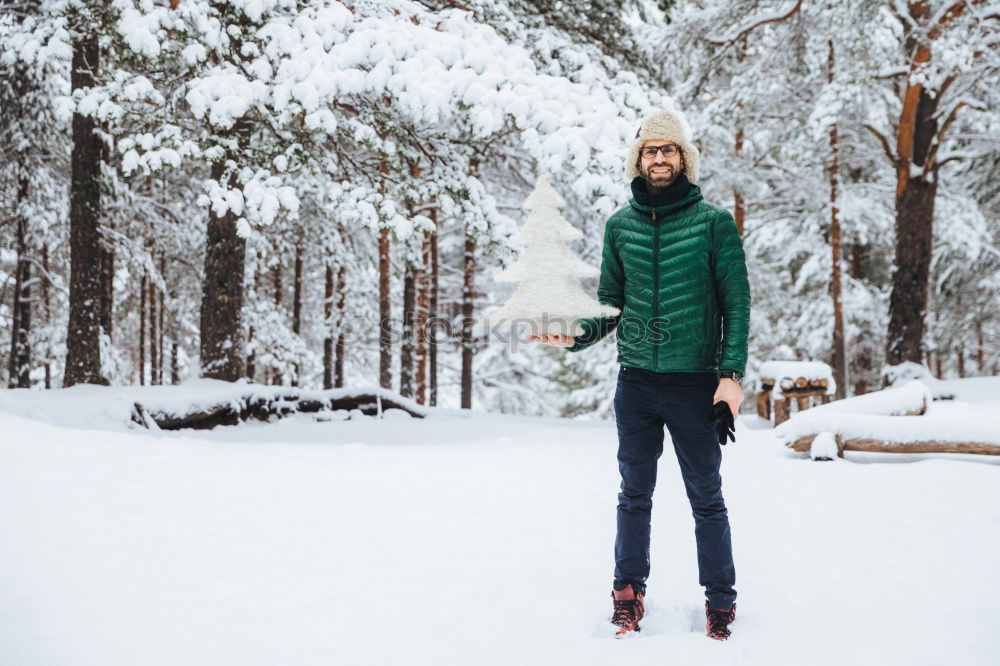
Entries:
{"x":909,"y":399}
{"x":901,"y":419}
{"x":264,"y":403}
{"x":815,"y":443}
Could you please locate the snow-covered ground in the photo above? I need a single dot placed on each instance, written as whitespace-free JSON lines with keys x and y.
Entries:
{"x":468,"y":538}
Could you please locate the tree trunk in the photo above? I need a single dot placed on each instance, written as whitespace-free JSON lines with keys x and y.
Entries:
{"x":960,"y":355}
{"x":222,"y":336}
{"x":47,"y":303}
{"x":432,"y":313}
{"x":20,"y":343}
{"x":980,"y":349}
{"x":327,"y":326}
{"x":739,"y":208}
{"x":297,"y":293}
{"x":384,"y":311}
{"x":222,"y":292}
{"x":252,"y":358}
{"x":162,"y":355}
{"x":916,"y":147}
{"x":277,"y":283}
{"x":19,"y":361}
{"x":83,"y":345}
{"x":859,"y":253}
{"x":107,"y":277}
{"x":175,"y":372}
{"x":340,"y":349}
{"x":468,"y":310}
{"x":142,"y":330}
{"x":406,"y":348}
{"x":297,"y":304}
{"x":422,"y":309}
{"x":908,"y":300}
{"x":864,"y":349}
{"x":107,"y":253}
{"x":154,"y":352}
{"x":833,"y":172}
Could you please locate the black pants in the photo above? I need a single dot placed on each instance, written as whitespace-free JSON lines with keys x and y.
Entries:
{"x":645,"y":401}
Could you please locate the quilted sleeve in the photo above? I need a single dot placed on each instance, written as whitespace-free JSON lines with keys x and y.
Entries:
{"x":610,"y":291}
{"x":733,"y":289}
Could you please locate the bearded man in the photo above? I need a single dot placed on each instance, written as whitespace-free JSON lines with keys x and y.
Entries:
{"x":674,"y":265}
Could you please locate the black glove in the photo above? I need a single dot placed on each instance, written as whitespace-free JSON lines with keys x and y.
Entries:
{"x":723,"y":418}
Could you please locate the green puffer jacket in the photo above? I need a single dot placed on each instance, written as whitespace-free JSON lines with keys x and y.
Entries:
{"x":678,"y":274}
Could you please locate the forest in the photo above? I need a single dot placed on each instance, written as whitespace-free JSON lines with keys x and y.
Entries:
{"x":320,"y":194}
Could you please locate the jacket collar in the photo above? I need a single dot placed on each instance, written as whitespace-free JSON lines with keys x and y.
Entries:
{"x":678,"y":196}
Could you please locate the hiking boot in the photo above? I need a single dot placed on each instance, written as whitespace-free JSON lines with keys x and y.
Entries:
{"x":629,"y":609}
{"x":717,"y":621}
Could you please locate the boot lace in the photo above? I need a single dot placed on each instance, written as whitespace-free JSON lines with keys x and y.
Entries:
{"x":625,"y":612}
{"x":719,"y":620}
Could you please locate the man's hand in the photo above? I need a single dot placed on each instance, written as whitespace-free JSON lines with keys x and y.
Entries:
{"x":553,"y":339}
{"x":730,"y":393}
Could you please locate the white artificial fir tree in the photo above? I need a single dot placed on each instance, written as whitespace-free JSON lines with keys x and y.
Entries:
{"x":548,"y":298}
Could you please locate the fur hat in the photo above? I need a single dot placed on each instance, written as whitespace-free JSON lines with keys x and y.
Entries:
{"x":664,"y":126}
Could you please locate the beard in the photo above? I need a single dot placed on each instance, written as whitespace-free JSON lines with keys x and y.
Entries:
{"x":662,"y":179}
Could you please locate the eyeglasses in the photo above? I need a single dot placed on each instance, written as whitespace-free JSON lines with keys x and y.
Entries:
{"x":669,"y":150}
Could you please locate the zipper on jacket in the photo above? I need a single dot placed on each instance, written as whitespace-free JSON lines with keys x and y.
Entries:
{"x":656,"y":289}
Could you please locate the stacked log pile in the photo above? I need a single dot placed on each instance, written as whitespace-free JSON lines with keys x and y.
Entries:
{"x":785,"y":381}
{"x":800,"y":389}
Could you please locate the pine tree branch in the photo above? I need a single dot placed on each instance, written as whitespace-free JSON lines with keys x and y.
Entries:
{"x":939,"y":137}
{"x":959,"y":157}
{"x":885,"y":144}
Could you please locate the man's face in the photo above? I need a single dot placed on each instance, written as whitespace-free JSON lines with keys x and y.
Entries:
{"x":660,"y":170}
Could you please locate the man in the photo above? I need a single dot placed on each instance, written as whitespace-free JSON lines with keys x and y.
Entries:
{"x":675,"y":267}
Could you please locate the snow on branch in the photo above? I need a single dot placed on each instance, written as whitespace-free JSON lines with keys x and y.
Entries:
{"x":946,"y":14}
{"x":752,"y":24}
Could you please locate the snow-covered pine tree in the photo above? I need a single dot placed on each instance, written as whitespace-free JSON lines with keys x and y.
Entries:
{"x":548,"y":298}
{"x":33,"y":191}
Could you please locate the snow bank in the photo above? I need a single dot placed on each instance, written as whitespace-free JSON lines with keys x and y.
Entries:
{"x":279,"y":544}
